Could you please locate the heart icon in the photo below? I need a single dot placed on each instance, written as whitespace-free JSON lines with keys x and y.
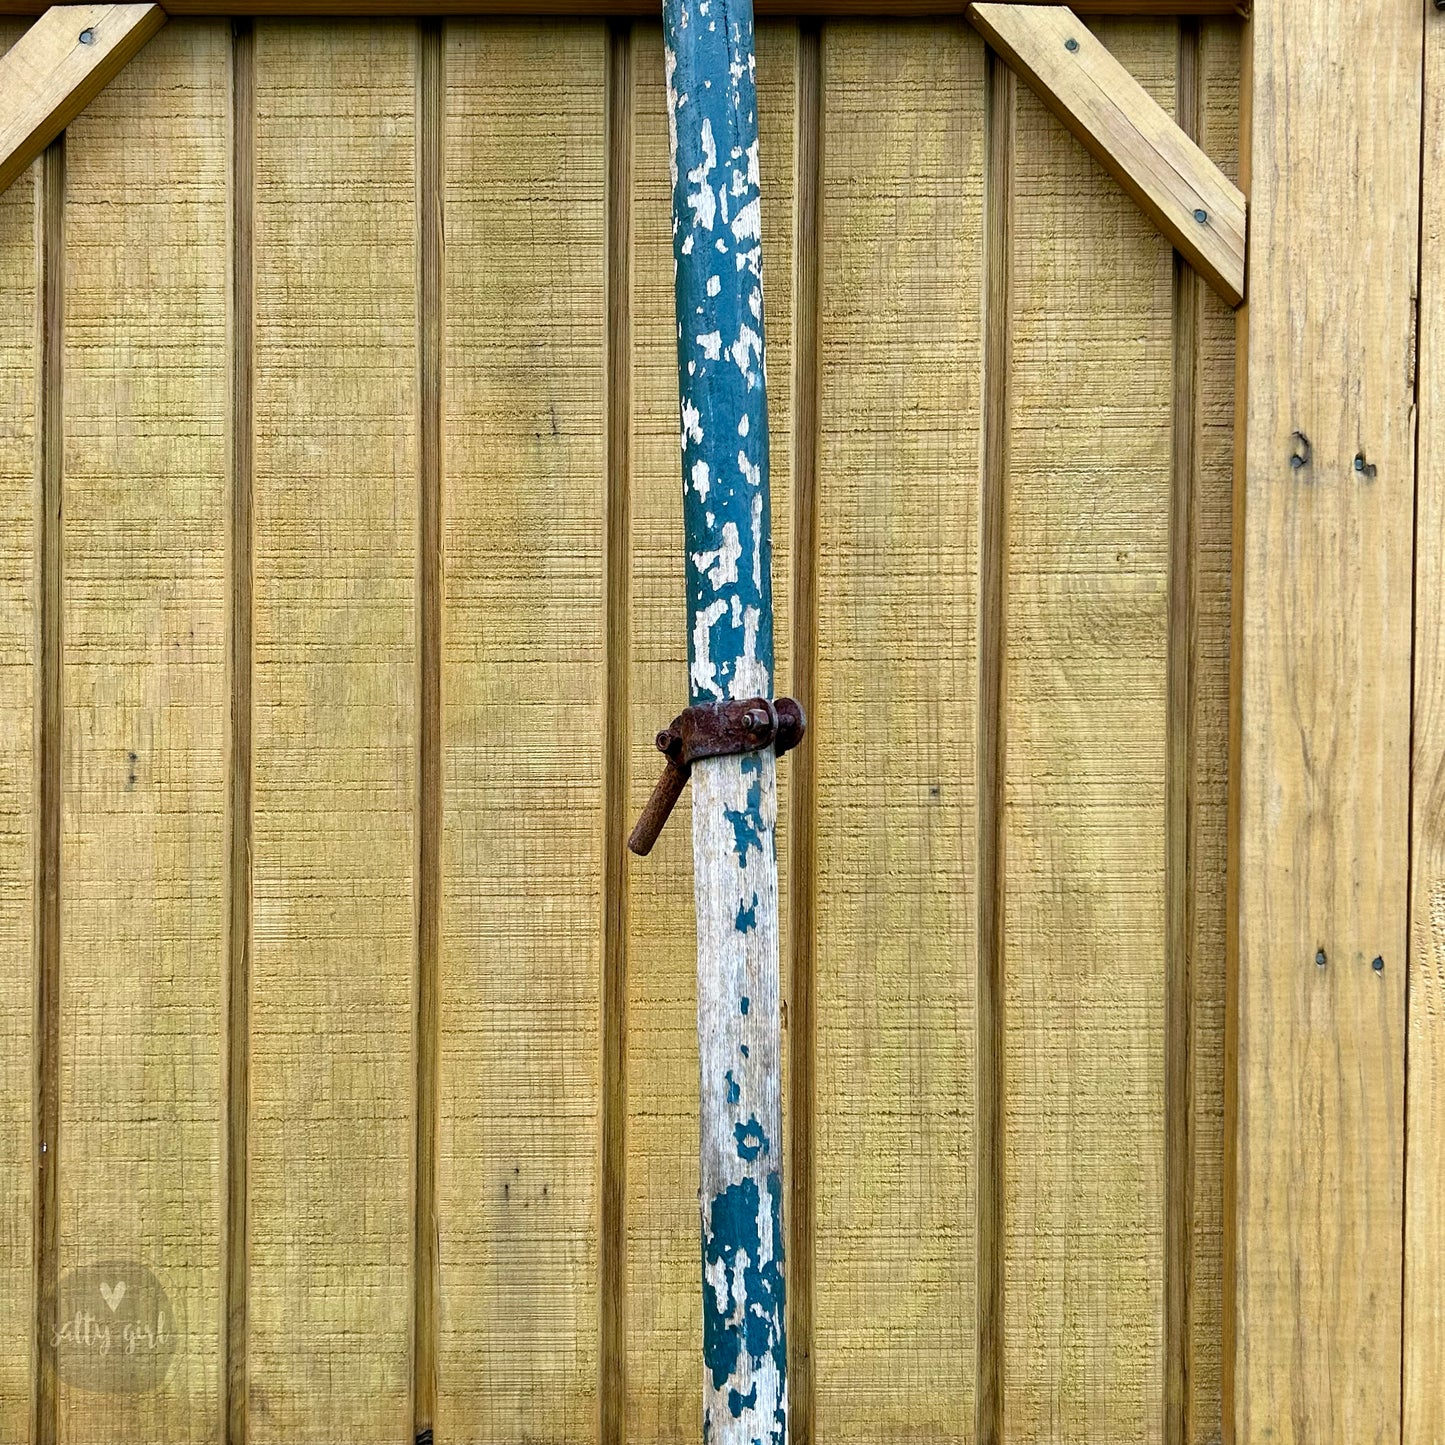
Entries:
{"x":112,"y":1294}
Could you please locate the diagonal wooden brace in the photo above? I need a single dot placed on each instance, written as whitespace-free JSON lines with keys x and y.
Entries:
{"x":58,"y":67}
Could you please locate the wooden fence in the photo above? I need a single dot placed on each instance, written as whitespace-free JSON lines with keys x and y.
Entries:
{"x":340,"y":596}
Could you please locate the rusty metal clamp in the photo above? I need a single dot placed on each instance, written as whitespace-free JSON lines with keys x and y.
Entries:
{"x":713,"y":730}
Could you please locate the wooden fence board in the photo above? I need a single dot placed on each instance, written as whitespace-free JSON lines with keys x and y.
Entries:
{"x":523,"y":627}
{"x":19,"y":597}
{"x":145,"y":522}
{"x":529,"y":608}
{"x":1324,"y":581}
{"x":664,"y":1318}
{"x":335,"y":680}
{"x":898,"y":448}
{"x":1085,"y":632}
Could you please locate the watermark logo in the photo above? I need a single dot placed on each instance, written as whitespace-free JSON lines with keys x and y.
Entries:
{"x":116,"y":1331}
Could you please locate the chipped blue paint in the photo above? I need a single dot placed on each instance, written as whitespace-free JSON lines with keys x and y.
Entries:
{"x":717,"y":249}
{"x":751,"y":1139}
{"x":738,"y":1402}
{"x":743,"y":1305}
{"x":747,"y":821}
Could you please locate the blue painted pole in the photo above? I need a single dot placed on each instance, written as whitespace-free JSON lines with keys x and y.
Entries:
{"x":717,"y":244}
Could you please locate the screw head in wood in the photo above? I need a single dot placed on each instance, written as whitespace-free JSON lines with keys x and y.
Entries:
{"x":87,"y":37}
{"x":1378,"y":965}
{"x":1071,"y":45}
{"x":1202,"y":216}
{"x":1320,"y":958}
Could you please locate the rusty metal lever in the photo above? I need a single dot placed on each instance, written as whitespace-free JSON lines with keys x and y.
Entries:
{"x":713,"y":730}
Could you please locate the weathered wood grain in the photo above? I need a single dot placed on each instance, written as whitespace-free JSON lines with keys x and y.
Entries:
{"x":1424,"y":1303}
{"x":19,"y":599}
{"x":335,"y":689}
{"x":60,"y":65}
{"x":894,"y":732}
{"x":1323,"y":574}
{"x":143,"y":857}
{"x":664,"y":1328}
{"x":523,"y":626}
{"x":714,"y":139}
{"x":1084,"y":688}
{"x":1136,"y":140}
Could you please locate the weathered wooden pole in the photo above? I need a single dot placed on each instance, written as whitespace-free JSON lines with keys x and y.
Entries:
{"x":712,"y":116}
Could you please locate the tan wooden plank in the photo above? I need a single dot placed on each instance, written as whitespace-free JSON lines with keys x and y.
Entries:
{"x":1424,"y":1313}
{"x":335,"y":786}
{"x":144,"y":694}
{"x":522,"y":688}
{"x":1213,"y":461}
{"x":889,"y":9}
{"x":1085,"y":723}
{"x":1323,"y":577}
{"x":1139,"y":142}
{"x":894,"y":731}
{"x":19,"y":599}
{"x":61,"y":64}
{"x":664,"y":1285}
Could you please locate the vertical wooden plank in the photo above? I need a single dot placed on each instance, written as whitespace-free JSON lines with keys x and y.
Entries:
{"x":664,"y":1322}
{"x":1323,"y":576}
{"x":335,"y":684}
{"x":1086,"y":593}
{"x":143,"y":858}
{"x":1208,"y":640}
{"x":19,"y":580}
{"x":1424,"y":1314}
{"x":894,"y":733}
{"x":523,"y":627}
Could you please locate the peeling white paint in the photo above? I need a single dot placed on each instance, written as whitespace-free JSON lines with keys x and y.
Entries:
{"x":702,"y":201}
{"x":691,"y":423}
{"x":721,"y":565}
{"x":748,"y":345}
{"x":704,"y":672}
